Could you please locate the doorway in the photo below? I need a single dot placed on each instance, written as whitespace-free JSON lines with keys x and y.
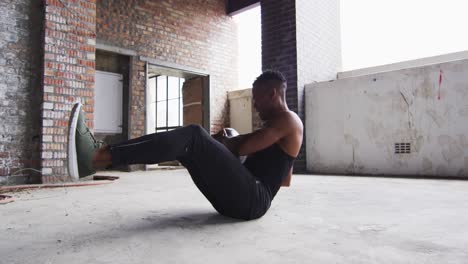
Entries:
{"x":111,"y":98}
{"x":175,"y":98}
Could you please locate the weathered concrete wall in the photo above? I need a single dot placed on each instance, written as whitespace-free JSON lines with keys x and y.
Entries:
{"x":20,"y":89}
{"x":354,"y":123}
{"x":462,"y":55}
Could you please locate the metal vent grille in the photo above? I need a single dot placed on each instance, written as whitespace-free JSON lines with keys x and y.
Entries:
{"x":402,"y":148}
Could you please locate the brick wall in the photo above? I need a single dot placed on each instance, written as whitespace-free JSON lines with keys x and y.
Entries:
{"x":137,"y":98}
{"x":318,"y":43}
{"x":279,"y":52}
{"x":196,"y":34}
{"x":301,"y":38}
{"x":20,"y":92}
{"x":69,"y":68}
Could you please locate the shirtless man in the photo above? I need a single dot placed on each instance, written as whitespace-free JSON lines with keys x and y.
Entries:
{"x":237,"y":190}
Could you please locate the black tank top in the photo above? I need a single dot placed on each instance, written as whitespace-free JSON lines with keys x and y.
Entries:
{"x":271,"y":166}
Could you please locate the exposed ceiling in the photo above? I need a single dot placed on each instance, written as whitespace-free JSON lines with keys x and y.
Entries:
{"x":154,"y":70}
{"x":234,"y":7}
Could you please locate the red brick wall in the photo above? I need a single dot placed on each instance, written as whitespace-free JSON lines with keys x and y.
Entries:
{"x":196,"y":34}
{"x":137,"y":98}
{"x":69,"y":68}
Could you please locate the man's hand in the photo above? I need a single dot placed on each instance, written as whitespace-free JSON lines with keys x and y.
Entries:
{"x":221,"y":136}
{"x":230,"y":143}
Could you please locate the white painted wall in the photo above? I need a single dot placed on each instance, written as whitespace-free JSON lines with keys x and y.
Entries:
{"x":353,"y":123}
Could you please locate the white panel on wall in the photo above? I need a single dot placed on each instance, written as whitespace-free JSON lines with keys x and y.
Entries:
{"x":108,"y":103}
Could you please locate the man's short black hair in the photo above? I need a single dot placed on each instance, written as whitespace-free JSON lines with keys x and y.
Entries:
{"x":271,"y":76}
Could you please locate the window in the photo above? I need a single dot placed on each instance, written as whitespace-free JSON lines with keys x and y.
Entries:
{"x":168,"y":102}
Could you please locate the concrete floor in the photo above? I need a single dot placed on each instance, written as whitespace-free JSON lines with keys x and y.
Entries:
{"x":160,"y":217}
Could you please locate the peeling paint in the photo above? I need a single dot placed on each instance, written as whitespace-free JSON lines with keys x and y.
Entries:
{"x":463,"y":140}
{"x":349,"y":139}
{"x":401,"y":164}
{"x":441,"y":170}
{"x":354,"y":142}
{"x":452,"y":152}
{"x":466,"y":165}
{"x":427,"y":164}
{"x":373,"y":129}
{"x":409,"y":102}
{"x":426,"y":89}
{"x":461,"y":88}
{"x":315,"y":154}
{"x":441,"y":74}
{"x":445,"y":139}
{"x":6,"y":164}
{"x":463,"y":112}
{"x":404,"y":98}
{"x":418,"y":142}
{"x":438,"y":120}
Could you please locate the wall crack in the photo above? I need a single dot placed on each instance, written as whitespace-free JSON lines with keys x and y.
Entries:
{"x":410,"y":115}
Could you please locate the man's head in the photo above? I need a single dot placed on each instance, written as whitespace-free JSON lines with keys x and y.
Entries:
{"x":269,"y":91}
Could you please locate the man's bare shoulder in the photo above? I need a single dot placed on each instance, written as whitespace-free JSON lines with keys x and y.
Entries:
{"x":289,"y":120}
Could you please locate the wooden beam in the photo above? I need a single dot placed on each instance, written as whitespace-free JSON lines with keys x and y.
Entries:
{"x":234,"y":7}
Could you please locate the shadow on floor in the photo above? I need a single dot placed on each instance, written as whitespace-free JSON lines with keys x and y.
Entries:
{"x":189,"y":220}
{"x":158,"y":223}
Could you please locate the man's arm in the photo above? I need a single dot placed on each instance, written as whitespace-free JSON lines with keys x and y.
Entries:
{"x":250,"y":143}
{"x":286,"y":181}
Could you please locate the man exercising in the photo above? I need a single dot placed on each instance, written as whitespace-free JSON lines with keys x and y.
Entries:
{"x":237,"y":190}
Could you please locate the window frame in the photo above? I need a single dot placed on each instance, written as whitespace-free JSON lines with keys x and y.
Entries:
{"x":166,"y":100}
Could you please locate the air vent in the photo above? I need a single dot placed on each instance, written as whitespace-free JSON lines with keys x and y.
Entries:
{"x":402,"y":148}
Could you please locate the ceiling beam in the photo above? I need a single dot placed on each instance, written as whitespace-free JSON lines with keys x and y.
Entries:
{"x":234,"y":7}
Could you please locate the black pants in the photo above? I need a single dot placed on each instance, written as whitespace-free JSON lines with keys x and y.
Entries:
{"x":224,"y":181}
